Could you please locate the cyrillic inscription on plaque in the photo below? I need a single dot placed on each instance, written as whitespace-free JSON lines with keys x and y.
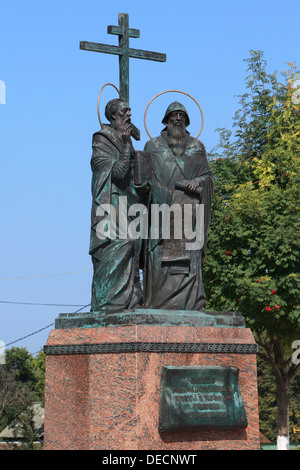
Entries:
{"x":200,"y":397}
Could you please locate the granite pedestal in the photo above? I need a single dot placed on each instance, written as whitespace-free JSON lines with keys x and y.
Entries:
{"x":103,"y":382}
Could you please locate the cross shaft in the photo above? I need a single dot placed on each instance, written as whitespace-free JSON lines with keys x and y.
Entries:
{"x":124,"y":52}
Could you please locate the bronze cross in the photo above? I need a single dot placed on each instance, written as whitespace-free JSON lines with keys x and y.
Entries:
{"x":124,"y":52}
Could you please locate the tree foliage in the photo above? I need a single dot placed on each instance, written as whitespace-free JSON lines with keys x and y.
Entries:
{"x":21,"y":384}
{"x":252,"y":262}
{"x":267,"y":400}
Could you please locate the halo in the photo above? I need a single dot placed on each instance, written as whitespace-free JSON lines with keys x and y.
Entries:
{"x":99,"y":99}
{"x":173,"y":91}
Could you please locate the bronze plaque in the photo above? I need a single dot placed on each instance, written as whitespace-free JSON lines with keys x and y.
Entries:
{"x":200,"y":398}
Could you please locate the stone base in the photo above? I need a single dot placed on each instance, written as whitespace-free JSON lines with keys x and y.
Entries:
{"x":103,"y":386}
{"x":148,"y":316}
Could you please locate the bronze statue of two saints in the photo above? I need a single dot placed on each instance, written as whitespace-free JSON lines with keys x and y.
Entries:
{"x":150,"y":212}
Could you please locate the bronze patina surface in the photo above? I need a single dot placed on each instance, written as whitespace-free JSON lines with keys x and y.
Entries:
{"x":143,"y":316}
{"x":180,"y":177}
{"x":200,"y":397}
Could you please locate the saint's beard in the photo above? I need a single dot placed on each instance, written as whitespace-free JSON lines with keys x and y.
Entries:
{"x":121,"y":124}
{"x":176,"y":137}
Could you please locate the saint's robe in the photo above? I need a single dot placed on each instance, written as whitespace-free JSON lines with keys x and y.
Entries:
{"x":116,"y":281}
{"x":174,"y":281}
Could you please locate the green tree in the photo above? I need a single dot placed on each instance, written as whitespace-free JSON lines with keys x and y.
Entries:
{"x":267,"y":400}
{"x":252,"y":263}
{"x":22,"y":382}
{"x":24,"y":425}
{"x":21,"y":362}
{"x":40,"y":371}
{"x":9,"y":397}
{"x":28,"y":370}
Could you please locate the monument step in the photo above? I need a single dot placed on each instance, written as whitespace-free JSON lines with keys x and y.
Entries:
{"x":144,"y":316}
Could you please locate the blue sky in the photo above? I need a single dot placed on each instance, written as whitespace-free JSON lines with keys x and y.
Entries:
{"x":50,"y":114}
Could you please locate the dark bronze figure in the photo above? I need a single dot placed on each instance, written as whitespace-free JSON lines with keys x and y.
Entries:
{"x":180,"y":175}
{"x":116,"y":283}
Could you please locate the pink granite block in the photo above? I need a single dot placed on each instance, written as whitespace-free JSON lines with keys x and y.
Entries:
{"x":67,"y":402}
{"x":110,"y":401}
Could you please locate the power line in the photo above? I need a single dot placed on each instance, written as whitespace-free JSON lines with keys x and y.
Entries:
{"x":38,"y":331}
{"x":44,"y":275}
{"x":87,"y":305}
{"x":30,"y":334}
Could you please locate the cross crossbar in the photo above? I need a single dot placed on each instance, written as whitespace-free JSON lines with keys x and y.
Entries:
{"x":119,"y":30}
{"x":135,"y":53}
{"x":124,"y":52}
